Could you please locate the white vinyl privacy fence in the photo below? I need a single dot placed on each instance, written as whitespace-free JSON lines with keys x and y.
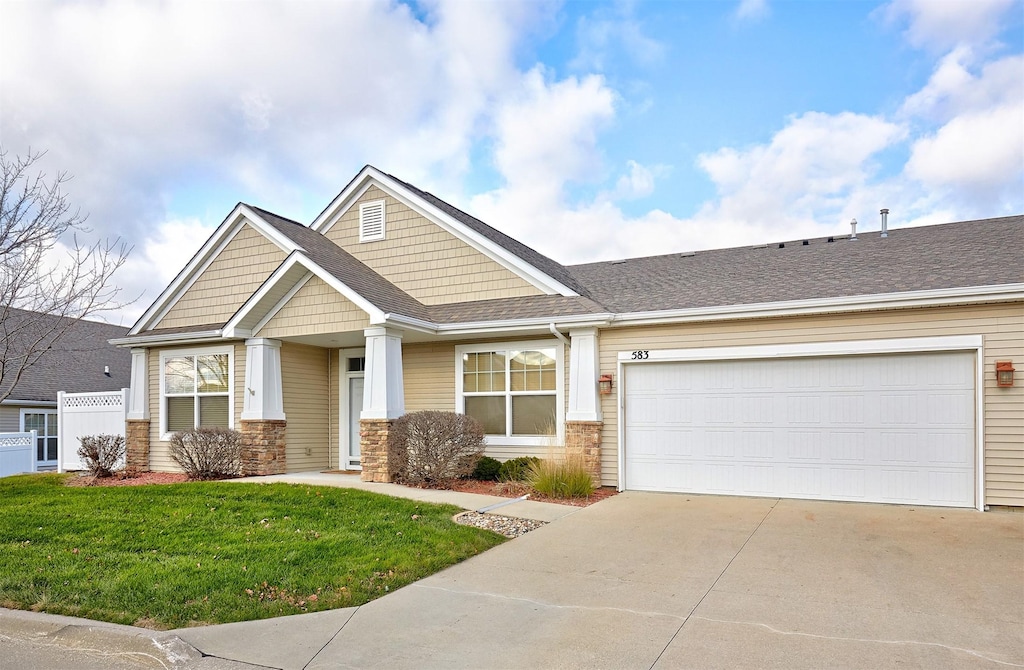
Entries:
{"x":81,"y":414}
{"x":17,"y":453}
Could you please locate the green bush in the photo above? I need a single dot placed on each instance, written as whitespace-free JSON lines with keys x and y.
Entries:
{"x":515,"y":469}
{"x":486,"y":469}
{"x":561,"y":479}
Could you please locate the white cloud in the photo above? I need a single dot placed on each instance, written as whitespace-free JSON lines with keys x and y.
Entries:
{"x":614,"y":33}
{"x":969,"y":150}
{"x":942,"y":24}
{"x":638,"y":182}
{"x":752,"y":10}
{"x":979,"y":151}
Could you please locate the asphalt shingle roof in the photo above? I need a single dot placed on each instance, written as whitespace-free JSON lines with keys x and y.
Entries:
{"x":968,"y":253}
{"x":954,"y":255}
{"x":76,"y":362}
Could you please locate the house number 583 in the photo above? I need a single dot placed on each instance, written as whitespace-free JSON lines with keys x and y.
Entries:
{"x":640,"y":355}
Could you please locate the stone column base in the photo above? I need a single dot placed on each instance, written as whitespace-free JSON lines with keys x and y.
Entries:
{"x":374,"y":457}
{"x":136,"y":440}
{"x":263,"y":447}
{"x":584,"y":438}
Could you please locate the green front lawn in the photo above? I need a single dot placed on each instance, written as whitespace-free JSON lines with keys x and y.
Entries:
{"x":168,"y":556}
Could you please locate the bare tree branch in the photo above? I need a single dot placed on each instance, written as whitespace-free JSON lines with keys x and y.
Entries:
{"x":37,"y":282}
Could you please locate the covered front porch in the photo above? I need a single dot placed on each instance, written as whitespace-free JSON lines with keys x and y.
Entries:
{"x":329,"y":400}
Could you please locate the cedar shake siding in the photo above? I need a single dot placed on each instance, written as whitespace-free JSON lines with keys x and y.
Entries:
{"x":314,"y":309}
{"x":234,"y":275}
{"x":424,"y":260}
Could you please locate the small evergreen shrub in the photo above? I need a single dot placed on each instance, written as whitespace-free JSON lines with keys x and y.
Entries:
{"x":434,"y":448}
{"x":516,"y":469}
{"x":102,"y":454}
{"x":566,"y":478}
{"x":486,"y":469}
{"x":208,"y":453}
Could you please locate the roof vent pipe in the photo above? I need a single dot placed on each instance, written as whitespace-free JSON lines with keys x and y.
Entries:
{"x":885,"y":222}
{"x":853,"y":229}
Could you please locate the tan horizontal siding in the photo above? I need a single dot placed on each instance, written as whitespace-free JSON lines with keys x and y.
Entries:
{"x":304,"y":381}
{"x":159,"y":455}
{"x":315,"y":309}
{"x":424,"y":260}
{"x":234,"y":275}
{"x":1000,"y":325}
{"x":10,"y":419}
{"x":429,"y":376}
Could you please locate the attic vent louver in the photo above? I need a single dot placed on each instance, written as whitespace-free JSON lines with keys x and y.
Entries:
{"x":371,"y":221}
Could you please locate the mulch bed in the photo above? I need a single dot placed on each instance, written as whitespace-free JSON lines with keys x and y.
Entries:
{"x":498,"y":489}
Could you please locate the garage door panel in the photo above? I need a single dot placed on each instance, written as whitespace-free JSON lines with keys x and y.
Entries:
{"x":842,"y":428}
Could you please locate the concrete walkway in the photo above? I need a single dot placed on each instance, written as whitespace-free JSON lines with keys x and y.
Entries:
{"x":525,"y":509}
{"x":684,"y":581}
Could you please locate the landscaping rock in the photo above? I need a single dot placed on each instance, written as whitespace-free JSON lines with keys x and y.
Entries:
{"x":504,"y":525}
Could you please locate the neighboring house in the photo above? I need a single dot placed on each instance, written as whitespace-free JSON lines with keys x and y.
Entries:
{"x":82,"y":360}
{"x":842,"y":369}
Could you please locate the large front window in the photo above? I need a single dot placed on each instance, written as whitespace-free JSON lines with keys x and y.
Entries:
{"x":513,"y":391}
{"x":195,"y":390}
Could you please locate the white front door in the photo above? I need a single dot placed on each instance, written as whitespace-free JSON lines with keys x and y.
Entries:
{"x":355,"y":406}
{"x":353,"y":366}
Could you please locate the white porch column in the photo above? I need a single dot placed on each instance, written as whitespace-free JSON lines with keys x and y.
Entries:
{"x":584,"y":365}
{"x":138,"y":399}
{"x":383,"y":391}
{"x":264,"y":398}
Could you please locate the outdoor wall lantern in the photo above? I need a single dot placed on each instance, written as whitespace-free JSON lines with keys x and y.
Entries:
{"x":1004,"y":373}
{"x":604,"y":383}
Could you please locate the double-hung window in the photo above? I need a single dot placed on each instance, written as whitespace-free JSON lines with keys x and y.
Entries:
{"x":514,"y":390}
{"x":195,"y":389}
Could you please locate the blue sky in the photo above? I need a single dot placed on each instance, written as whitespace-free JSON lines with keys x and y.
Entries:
{"x":588,"y":130}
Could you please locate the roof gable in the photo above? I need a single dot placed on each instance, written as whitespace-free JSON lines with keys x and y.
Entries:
{"x":545,"y":274}
{"x":239,"y":217}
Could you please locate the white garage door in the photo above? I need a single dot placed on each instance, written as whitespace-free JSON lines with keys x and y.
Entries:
{"x":881,"y":428}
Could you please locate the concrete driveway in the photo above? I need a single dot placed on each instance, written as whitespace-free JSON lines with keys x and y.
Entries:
{"x":681,"y":581}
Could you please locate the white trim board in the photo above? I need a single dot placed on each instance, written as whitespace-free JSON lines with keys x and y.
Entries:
{"x":974,"y":343}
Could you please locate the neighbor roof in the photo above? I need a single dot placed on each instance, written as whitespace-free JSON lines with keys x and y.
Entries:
{"x":77,"y":361}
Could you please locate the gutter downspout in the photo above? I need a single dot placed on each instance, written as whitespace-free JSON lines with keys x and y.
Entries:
{"x":554,"y":331}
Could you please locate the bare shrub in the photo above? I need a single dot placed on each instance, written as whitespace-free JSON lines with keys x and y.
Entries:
{"x":208,"y":453}
{"x":102,"y":454}
{"x":434,"y":448}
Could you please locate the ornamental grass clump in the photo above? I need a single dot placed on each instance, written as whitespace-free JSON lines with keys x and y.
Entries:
{"x":561,"y":477}
{"x":102,"y":454}
{"x":208,"y":453}
{"x":433,"y":448}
